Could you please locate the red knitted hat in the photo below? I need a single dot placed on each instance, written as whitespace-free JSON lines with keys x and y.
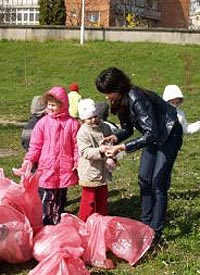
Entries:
{"x":74,"y":87}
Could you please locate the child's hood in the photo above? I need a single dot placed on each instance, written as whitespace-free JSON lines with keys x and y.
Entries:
{"x":60,"y":94}
{"x":172,"y":92}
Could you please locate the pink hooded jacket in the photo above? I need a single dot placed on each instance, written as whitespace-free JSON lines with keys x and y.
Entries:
{"x":53,"y":146}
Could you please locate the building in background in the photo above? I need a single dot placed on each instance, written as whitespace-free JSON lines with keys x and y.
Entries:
{"x":175,"y":14}
{"x":19,"y":12}
{"x":110,"y":13}
{"x":194,"y":20}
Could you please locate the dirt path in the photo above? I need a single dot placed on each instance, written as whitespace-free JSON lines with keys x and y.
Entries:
{"x":11,"y":122}
{"x":6,"y":152}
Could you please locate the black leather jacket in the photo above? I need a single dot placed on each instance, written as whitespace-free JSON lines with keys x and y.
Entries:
{"x":150,"y":115}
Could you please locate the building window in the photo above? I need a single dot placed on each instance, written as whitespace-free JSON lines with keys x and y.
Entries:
{"x":93,"y":18}
{"x":19,"y":17}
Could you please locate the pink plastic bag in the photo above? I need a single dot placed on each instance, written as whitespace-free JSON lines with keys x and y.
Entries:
{"x":24,"y":198}
{"x":95,"y":252}
{"x":60,"y":263}
{"x":4,"y":184}
{"x":126,"y":238}
{"x":78,"y":224}
{"x":16,"y":236}
{"x":53,"y":238}
{"x":59,"y":248}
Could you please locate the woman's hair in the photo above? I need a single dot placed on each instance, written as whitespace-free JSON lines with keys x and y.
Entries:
{"x":113,"y":80}
{"x":48,"y":97}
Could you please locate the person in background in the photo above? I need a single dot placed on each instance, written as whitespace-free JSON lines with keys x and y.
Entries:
{"x":103,"y":109}
{"x":93,"y":166}
{"x":74,"y":98}
{"x":37,"y":111}
{"x":53,"y":146}
{"x":160,"y":139}
{"x":174,"y":95}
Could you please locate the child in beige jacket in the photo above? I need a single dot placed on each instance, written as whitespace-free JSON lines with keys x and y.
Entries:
{"x":93,"y":166}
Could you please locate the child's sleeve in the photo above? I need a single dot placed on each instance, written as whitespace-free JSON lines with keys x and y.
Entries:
{"x":75,"y":129}
{"x":86,"y":148}
{"x":36,"y":143}
{"x":193,"y":127}
{"x":188,"y":128}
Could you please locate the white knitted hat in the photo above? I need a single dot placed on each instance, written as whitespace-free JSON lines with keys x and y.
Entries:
{"x":87,"y":108}
{"x":171,"y":92}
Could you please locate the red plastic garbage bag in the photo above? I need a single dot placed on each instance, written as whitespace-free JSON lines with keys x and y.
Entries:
{"x":52,"y":238}
{"x":95,"y":252}
{"x":16,"y":236}
{"x":78,"y":224}
{"x":24,"y":198}
{"x":126,"y":238}
{"x":60,"y":263}
{"x":4,"y":184}
{"x":59,"y":248}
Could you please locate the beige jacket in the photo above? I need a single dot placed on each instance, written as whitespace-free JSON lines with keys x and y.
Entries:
{"x":92,"y":170}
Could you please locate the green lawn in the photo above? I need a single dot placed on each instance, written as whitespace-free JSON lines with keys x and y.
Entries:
{"x":31,"y":68}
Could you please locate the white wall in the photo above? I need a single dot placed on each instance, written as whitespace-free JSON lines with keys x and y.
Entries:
{"x":110,"y":34}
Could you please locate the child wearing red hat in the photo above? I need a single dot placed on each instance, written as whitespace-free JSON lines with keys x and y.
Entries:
{"x":74,"y":98}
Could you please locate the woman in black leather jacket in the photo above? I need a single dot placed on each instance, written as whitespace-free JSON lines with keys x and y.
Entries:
{"x":161,"y":139}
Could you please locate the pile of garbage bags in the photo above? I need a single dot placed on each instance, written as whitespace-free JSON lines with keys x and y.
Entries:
{"x":68,"y":247}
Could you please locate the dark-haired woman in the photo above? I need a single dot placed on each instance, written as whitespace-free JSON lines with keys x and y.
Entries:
{"x":161,"y":139}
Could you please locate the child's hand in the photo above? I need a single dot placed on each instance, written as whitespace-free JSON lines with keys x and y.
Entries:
{"x":110,"y":164}
{"x":25,"y":169}
{"x":103,"y":148}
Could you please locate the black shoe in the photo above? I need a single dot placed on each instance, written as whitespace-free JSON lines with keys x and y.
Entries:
{"x":158,"y":243}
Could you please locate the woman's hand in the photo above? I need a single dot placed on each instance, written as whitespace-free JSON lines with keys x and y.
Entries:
{"x":110,"y":140}
{"x":114,"y":150}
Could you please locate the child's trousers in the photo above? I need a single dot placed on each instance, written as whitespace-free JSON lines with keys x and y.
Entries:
{"x":53,"y":203}
{"x":93,"y":200}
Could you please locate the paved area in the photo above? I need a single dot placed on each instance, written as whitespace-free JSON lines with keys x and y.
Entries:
{"x":11,"y":122}
{"x":6,"y":152}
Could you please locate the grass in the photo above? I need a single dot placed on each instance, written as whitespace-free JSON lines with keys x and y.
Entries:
{"x":30,"y":68}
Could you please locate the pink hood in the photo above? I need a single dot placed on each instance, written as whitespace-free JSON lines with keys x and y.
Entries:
{"x":60,"y":94}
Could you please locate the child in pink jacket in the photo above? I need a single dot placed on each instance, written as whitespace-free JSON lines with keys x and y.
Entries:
{"x":53,"y":146}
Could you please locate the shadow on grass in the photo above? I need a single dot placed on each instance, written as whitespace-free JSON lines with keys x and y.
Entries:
{"x":183,"y":218}
{"x":126,"y":207}
{"x":123,"y":207}
{"x":23,"y":268}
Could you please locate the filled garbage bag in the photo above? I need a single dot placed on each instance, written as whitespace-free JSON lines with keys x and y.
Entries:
{"x":23,"y":197}
{"x":5,"y":184}
{"x":79,"y":225}
{"x":16,"y":236}
{"x":60,"y":263}
{"x":126,"y":238}
{"x":59,"y":248}
{"x":95,"y":251}
{"x":53,"y":238}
